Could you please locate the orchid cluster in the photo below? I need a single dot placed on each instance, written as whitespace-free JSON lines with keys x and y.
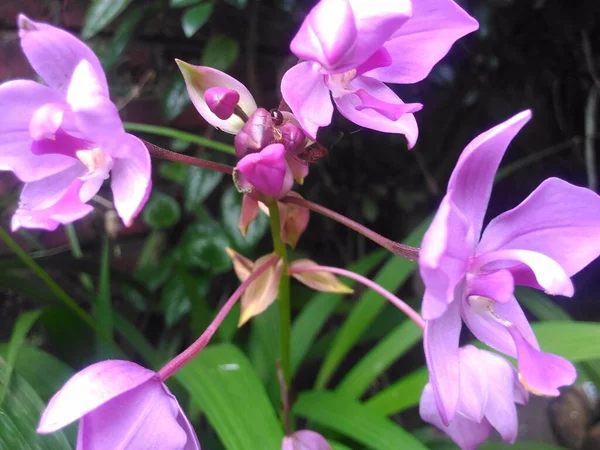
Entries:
{"x":64,"y":138}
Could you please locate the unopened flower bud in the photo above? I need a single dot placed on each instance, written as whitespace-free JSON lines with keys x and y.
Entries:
{"x":266,"y":171}
{"x":221,"y":101}
{"x":292,"y":137}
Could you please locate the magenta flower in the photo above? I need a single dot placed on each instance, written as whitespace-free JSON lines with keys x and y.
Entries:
{"x":266,"y":171}
{"x":549,"y":237}
{"x":64,"y":139}
{"x":119,"y":405}
{"x":488,"y":390}
{"x":351,"y":48}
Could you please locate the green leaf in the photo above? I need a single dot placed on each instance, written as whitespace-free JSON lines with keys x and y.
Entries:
{"x":240,"y":4}
{"x":403,"y":394}
{"x":374,"y":363}
{"x":19,"y":416}
{"x":103,"y":306}
{"x":220,"y":52}
{"x":22,"y":326}
{"x":313,"y":316}
{"x":203,"y":245}
{"x":354,"y":420}
{"x":569,"y":339}
{"x":182,"y":3}
{"x":173,"y":171}
{"x":179,"y":294}
{"x":123,"y":34}
{"x":175,"y":100}
{"x":264,"y":348}
{"x":199,"y":183}
{"x":393,"y":274}
{"x":222,"y":382}
{"x":100,"y":13}
{"x":162,"y":211}
{"x":27,"y":365}
{"x":231,"y":207}
{"x":137,"y":339}
{"x":540,"y":305}
{"x":195,"y":17}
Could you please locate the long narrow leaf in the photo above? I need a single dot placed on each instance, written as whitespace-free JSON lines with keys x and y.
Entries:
{"x":222,"y":382}
{"x":354,"y":420}
{"x":103,"y":306}
{"x":393,"y":274}
{"x":313,"y":316}
{"x":22,"y":326}
{"x":576,"y":341}
{"x":403,"y":394}
{"x":387,"y":351}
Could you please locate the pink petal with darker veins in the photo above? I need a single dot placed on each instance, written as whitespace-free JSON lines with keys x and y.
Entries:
{"x":267,"y":171}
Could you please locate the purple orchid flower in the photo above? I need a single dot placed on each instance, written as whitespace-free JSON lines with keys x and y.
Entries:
{"x":351,"y":48}
{"x":489,"y":388}
{"x":120,"y":405}
{"x":64,"y":139}
{"x":305,"y":440}
{"x":541,"y":243}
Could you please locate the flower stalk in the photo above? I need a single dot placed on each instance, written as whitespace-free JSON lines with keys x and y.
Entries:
{"x":161,"y":153}
{"x":189,"y":353}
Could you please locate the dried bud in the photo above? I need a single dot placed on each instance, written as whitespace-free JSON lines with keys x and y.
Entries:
{"x":248,"y":213}
{"x":292,"y":137}
{"x":319,"y":281}
{"x":294,"y":220}
{"x":262,"y":292}
{"x":221,"y":101}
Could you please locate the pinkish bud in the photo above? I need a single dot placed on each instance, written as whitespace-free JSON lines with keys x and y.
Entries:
{"x":248,"y":213}
{"x":266,"y":171}
{"x":256,"y":134}
{"x":221,"y":101}
{"x":305,"y":440}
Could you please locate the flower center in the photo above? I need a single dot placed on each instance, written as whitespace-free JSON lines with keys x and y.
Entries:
{"x":97,"y":162}
{"x":339,"y":83}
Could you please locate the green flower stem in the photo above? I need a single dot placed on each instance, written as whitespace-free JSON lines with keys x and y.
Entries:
{"x":85,"y":278}
{"x":181,"y":135}
{"x":285,"y":310}
{"x":52,"y":285}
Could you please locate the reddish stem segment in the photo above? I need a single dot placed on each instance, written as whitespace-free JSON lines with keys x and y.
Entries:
{"x":402,"y":306}
{"x":161,"y":153}
{"x":404,"y":251}
{"x":189,"y":353}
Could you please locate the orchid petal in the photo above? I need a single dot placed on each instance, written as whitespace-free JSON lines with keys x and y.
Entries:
{"x":473,"y":384}
{"x":299,"y":168}
{"x":242,"y":266}
{"x":440,"y":340}
{"x":303,"y":88}
{"x":67,"y":209}
{"x":319,"y":281}
{"x":500,"y":411}
{"x":327,"y":33}
{"x":95,"y":115}
{"x":199,"y":79}
{"x":497,"y":285}
{"x":443,"y":258}
{"x":192,"y":440}
{"x":558,"y":219}
{"x":423,"y":40}
{"x":350,"y":106}
{"x":381,"y":58}
{"x":391,"y":111}
{"x":472,"y":179}
{"x":44,"y":193}
{"x":488,"y":323}
{"x":54,"y":54}
{"x":248,"y":213}
{"x":466,"y":433}
{"x":20,"y":100}
{"x":131,"y":178}
{"x":262,"y":292}
{"x":138,"y":419}
{"x":548,"y":273}
{"x":305,"y":440}
{"x":88,"y":389}
{"x":542,"y":373}
{"x":46,"y":121}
